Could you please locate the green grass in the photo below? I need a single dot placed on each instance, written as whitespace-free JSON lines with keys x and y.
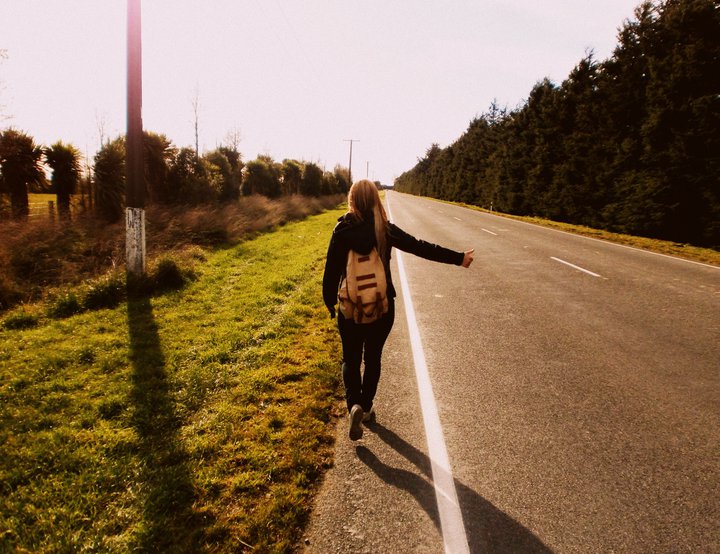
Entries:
{"x":199,"y":420}
{"x":687,"y":251}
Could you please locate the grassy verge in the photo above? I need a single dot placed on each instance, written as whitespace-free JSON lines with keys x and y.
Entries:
{"x":695,"y":253}
{"x":194,"y":421}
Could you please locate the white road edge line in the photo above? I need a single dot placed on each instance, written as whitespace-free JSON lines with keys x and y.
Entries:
{"x":676,"y":258}
{"x":575,"y":266}
{"x":451,"y":520}
{"x":488,"y":231}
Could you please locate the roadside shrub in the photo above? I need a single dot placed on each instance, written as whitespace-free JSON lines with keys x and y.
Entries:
{"x":163,"y":275}
{"x":41,"y":255}
{"x":262,"y":176}
{"x":65,"y":305}
{"x":167,"y":275}
{"x":106,"y":292}
{"x":37,"y":262}
{"x":311,"y":183}
{"x":9,"y":294}
{"x":20,"y":320}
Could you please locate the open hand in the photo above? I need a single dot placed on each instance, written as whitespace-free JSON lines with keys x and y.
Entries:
{"x":468,"y":259}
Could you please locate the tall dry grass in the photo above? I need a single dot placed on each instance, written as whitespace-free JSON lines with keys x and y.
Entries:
{"x":37,"y":257}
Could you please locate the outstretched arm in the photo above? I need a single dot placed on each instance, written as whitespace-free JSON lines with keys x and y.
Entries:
{"x":406,"y":242}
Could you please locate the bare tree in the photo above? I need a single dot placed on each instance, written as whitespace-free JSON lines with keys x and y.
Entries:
{"x":4,"y":116}
{"x":233,"y":139}
{"x":196,"y":115}
{"x":101,"y":126}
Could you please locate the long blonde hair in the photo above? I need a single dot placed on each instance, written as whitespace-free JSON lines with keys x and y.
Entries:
{"x":363,"y":200}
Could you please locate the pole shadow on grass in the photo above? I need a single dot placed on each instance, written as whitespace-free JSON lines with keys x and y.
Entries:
{"x":488,"y":528}
{"x":170,"y":524}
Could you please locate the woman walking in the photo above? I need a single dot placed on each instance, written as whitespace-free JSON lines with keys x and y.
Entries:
{"x":365,"y":226}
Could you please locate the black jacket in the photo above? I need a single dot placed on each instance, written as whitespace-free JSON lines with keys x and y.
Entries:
{"x":359,"y":235}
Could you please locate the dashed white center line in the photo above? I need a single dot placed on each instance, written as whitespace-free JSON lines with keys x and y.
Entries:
{"x":488,"y":232}
{"x":457,"y":218}
{"x":575,"y":266}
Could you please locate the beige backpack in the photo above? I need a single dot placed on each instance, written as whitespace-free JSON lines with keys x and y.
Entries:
{"x":363,"y":290}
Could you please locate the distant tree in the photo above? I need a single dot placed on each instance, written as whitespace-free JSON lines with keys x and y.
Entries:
{"x":276,"y":172}
{"x":193,"y":181}
{"x":212,"y":180}
{"x":110,"y":180}
{"x":262,"y":176}
{"x":336,"y":181}
{"x":158,"y":153}
{"x":330,"y":183}
{"x":218,"y":163}
{"x":681,"y":134}
{"x":342,"y":178}
{"x":234,"y":157}
{"x":21,"y":167}
{"x":311,"y":183}
{"x":292,"y":171}
{"x":576,"y":192}
{"x":182,"y":175}
{"x":229,"y":163}
{"x":64,"y":160}
{"x":632,"y":207}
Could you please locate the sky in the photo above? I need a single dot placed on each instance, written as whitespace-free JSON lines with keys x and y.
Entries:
{"x":292,"y":78}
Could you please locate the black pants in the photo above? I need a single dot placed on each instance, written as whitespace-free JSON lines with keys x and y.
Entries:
{"x":363,"y":340}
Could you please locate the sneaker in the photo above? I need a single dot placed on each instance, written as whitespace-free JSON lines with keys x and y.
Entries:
{"x":356,"y":416}
{"x":369,"y":416}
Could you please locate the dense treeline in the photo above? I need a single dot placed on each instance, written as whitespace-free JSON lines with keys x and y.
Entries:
{"x":180,"y":176}
{"x":630,"y":144}
{"x":172,"y":175}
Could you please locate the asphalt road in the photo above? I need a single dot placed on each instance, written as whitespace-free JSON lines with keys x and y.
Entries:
{"x":580,"y":404}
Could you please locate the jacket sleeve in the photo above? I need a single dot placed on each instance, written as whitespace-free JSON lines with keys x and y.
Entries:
{"x":334,"y":268}
{"x":407,"y":243}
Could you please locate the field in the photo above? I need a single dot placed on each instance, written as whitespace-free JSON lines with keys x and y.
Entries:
{"x":198,"y":420}
{"x":40,"y":207}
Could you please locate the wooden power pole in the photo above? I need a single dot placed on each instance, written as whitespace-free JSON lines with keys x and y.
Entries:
{"x":350,"y":163}
{"x":134,"y":174}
